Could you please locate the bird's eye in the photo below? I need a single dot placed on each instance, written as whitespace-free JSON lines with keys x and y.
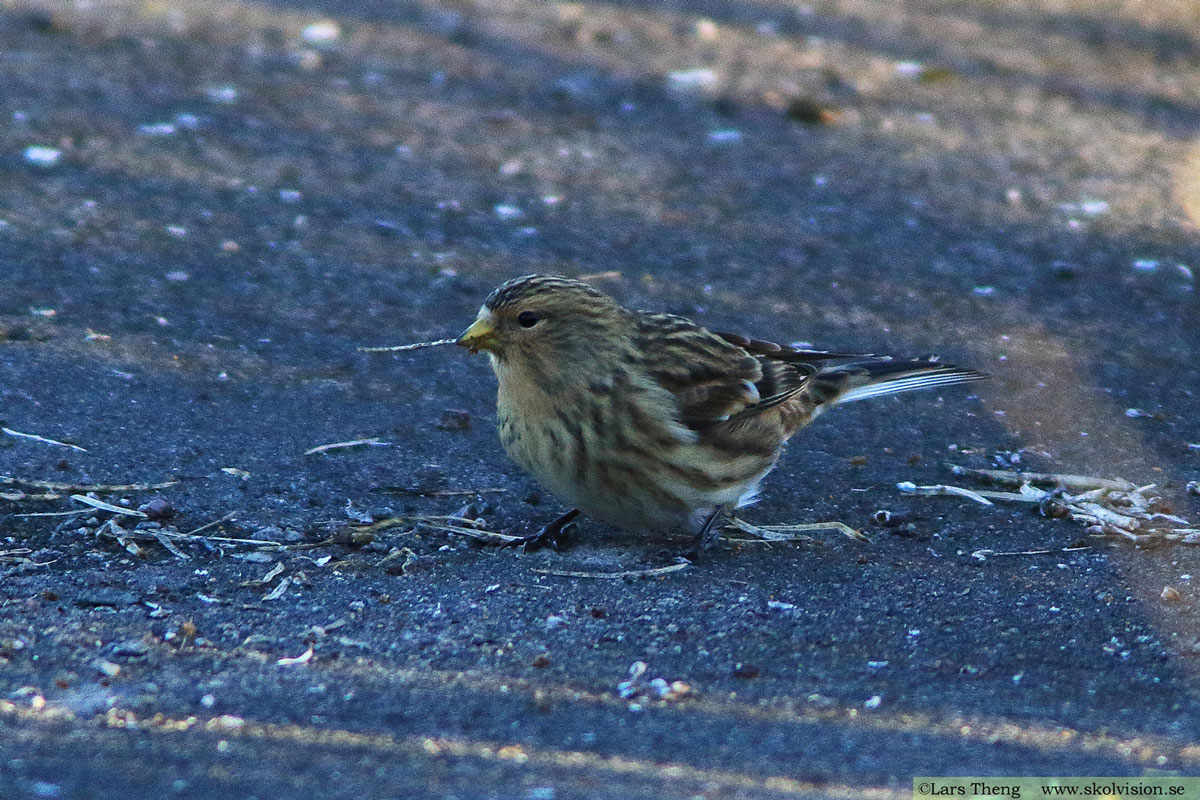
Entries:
{"x":527,"y":319}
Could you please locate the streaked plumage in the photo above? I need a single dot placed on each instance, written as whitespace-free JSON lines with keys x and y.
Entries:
{"x":648,"y":420}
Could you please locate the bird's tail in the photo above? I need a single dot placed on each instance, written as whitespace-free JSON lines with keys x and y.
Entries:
{"x":861,"y":380}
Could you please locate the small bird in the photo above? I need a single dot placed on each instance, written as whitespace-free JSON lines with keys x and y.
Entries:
{"x":650,"y":421}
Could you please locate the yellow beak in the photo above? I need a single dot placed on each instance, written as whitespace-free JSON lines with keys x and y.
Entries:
{"x":480,"y":336}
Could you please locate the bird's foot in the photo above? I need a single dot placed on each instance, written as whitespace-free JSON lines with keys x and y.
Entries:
{"x":553,"y":535}
{"x":708,"y":536}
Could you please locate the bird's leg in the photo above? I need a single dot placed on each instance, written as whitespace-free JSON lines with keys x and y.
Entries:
{"x":552,"y":534}
{"x":710,"y":533}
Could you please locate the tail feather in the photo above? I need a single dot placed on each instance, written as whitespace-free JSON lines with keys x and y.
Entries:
{"x":862,"y":381}
{"x":924,"y":379}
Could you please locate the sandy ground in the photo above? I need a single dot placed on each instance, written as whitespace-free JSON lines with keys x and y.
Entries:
{"x":205,"y":208}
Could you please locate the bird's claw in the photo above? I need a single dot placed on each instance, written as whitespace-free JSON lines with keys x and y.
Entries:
{"x":555,"y":535}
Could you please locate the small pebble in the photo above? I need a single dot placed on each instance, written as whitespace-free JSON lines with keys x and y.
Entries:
{"x":1170,"y":595}
{"x":157,"y":129}
{"x":107,"y":668}
{"x":321,"y":32}
{"x":726,"y":136}
{"x":130,"y":648}
{"x":43,"y":156}
{"x":224,"y":95}
{"x":692,"y":79}
{"x":157,"y":508}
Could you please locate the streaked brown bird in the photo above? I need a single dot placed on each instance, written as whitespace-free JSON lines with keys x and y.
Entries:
{"x":650,"y":421}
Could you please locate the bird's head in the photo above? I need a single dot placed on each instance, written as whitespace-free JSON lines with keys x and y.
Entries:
{"x":545,"y":320}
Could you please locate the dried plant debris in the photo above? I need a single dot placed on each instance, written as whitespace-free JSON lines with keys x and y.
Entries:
{"x":465,"y":522}
{"x":21,"y":556}
{"x":941,"y":489}
{"x":1110,"y":508}
{"x":171,"y":539}
{"x":652,"y":572}
{"x":51,"y":490}
{"x":44,"y":440}
{"x":325,"y":448}
{"x":790,"y":533}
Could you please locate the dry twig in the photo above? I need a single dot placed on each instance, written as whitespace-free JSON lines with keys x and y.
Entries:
{"x":402,"y":347}
{"x":632,"y":573}
{"x":791,"y":532}
{"x":42,"y":439}
{"x":373,"y":441}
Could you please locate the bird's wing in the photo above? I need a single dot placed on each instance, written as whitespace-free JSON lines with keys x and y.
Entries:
{"x":714,"y":377}
{"x":826,"y":377}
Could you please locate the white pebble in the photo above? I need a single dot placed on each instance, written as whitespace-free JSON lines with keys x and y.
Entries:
{"x":157,"y":129}
{"x":322,"y":32}
{"x":222,"y":94}
{"x":706,"y":30}
{"x":505,"y":211}
{"x":42,"y":156}
{"x":727,"y":135}
{"x":691,"y":79}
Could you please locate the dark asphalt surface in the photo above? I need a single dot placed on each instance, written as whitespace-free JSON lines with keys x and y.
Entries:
{"x":224,"y":200}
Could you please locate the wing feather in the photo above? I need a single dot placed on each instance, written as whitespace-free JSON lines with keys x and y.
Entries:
{"x":712,"y":376}
{"x":716,"y":377}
